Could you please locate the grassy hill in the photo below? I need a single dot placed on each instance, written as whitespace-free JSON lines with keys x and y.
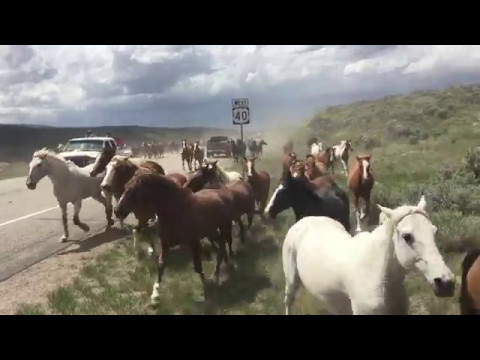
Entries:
{"x":418,"y":142}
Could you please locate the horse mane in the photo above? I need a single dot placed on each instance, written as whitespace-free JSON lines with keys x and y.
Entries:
{"x":46,"y":152}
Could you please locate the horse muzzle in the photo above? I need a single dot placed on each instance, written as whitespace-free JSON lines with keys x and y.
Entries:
{"x":31,"y":185}
{"x":106,"y":188}
{"x":443,"y":288}
{"x":119,"y":214}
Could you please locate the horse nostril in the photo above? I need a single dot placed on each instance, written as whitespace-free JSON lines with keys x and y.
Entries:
{"x":444,"y":288}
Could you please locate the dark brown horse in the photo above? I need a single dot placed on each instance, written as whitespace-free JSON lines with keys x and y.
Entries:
{"x":470,"y":287}
{"x":187,"y":154}
{"x":242,"y":195}
{"x":260,"y":182}
{"x":102,"y":160}
{"x":360,"y":182}
{"x":198,"y":155}
{"x":184,"y":218}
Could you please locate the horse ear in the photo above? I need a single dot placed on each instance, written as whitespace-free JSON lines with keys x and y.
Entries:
{"x":385,"y":210}
{"x":245,"y":158}
{"x":422,"y":204}
{"x":214,"y":163}
{"x":358,"y":159}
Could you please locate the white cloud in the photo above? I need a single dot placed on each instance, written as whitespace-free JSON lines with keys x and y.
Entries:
{"x":159,"y":84}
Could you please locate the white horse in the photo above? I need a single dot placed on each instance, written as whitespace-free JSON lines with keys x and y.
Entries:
{"x":71,"y":184}
{"x":315,"y":148}
{"x":224,"y":176}
{"x":340,"y":153}
{"x":364,"y":274}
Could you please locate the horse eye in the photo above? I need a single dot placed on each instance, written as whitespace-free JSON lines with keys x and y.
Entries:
{"x":39,"y":165}
{"x":408,"y":238}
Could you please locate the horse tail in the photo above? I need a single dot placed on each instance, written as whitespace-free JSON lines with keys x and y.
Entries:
{"x":467,"y":263}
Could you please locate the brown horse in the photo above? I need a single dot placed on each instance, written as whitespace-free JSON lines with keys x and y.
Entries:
{"x":470,"y":287}
{"x":314,"y":169}
{"x":102,"y":160}
{"x":242,"y":195}
{"x":119,"y":171}
{"x":325,"y":157}
{"x":288,"y":160}
{"x":184,"y":218}
{"x":361,"y":181}
{"x":260,"y":182}
{"x":187,"y":154}
{"x":197,"y":155}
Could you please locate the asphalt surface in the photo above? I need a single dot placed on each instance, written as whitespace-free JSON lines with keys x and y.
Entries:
{"x":30,"y":221}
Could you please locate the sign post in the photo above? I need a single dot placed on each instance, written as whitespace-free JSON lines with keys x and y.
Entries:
{"x":241,"y":116}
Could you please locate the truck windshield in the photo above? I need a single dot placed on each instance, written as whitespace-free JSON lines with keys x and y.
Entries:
{"x":219,"y":138}
{"x":84,"y":145}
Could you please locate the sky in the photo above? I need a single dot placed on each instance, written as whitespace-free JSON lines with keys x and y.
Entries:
{"x":192,"y":85}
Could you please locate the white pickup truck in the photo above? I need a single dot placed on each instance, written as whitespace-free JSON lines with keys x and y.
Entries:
{"x":83,"y":151}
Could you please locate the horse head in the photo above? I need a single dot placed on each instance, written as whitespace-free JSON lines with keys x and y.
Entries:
{"x":250,"y":165}
{"x":365,"y":166}
{"x":38,"y":168}
{"x":413,"y":237}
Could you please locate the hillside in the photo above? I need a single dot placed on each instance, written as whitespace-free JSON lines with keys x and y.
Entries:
{"x":452,"y":114}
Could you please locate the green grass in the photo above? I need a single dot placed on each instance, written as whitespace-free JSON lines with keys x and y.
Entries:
{"x":412,"y":138}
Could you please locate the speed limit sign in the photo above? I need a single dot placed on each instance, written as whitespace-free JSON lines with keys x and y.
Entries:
{"x":241,"y":116}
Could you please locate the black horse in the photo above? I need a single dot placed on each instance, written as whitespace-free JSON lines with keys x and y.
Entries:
{"x":308,"y":199}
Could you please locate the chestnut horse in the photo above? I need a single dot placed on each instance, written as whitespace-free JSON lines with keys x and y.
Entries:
{"x":314,"y":169}
{"x":325,"y":157}
{"x":184,"y":218}
{"x":242,"y":195}
{"x":187,"y":154}
{"x":360,"y":182}
{"x":119,"y":171}
{"x":470,"y":287}
{"x":260,"y":182}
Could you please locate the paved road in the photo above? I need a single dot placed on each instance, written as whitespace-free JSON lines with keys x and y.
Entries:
{"x":30,"y":221}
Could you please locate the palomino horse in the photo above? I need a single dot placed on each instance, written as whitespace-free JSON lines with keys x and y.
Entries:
{"x":260,"y":182}
{"x":187,"y":155}
{"x":184,"y":218}
{"x":361,"y":181}
{"x":198,"y":155}
{"x":470,"y":287}
{"x":341,"y":153}
{"x":241,"y":191}
{"x":364,"y":274}
{"x":71,"y":184}
{"x":320,"y":197}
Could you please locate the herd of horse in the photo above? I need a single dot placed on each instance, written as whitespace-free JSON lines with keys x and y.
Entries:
{"x":351,"y":272}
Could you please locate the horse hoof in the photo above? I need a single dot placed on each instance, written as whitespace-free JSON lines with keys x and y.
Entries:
{"x":63,"y":239}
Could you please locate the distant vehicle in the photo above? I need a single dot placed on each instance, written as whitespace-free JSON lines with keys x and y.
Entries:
{"x":219,"y":145}
{"x":83,"y":151}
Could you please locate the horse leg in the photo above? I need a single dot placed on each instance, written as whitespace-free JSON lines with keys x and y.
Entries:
{"x":117,"y":199}
{"x":77,"y":206}
{"x":250,"y":218}
{"x":225,"y":235}
{"x":345,"y":170}
{"x":160,"y":271}
{"x":292,"y":279}
{"x":63,"y":207}
{"x":357,"y":212}
{"x":366,"y":212}
{"x":197,"y":261}
{"x":108,"y":209}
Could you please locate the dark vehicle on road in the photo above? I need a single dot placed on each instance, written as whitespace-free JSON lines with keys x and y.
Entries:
{"x":219,"y":145}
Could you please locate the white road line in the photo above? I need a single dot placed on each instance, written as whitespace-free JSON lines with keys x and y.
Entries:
{"x":29,"y":215}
